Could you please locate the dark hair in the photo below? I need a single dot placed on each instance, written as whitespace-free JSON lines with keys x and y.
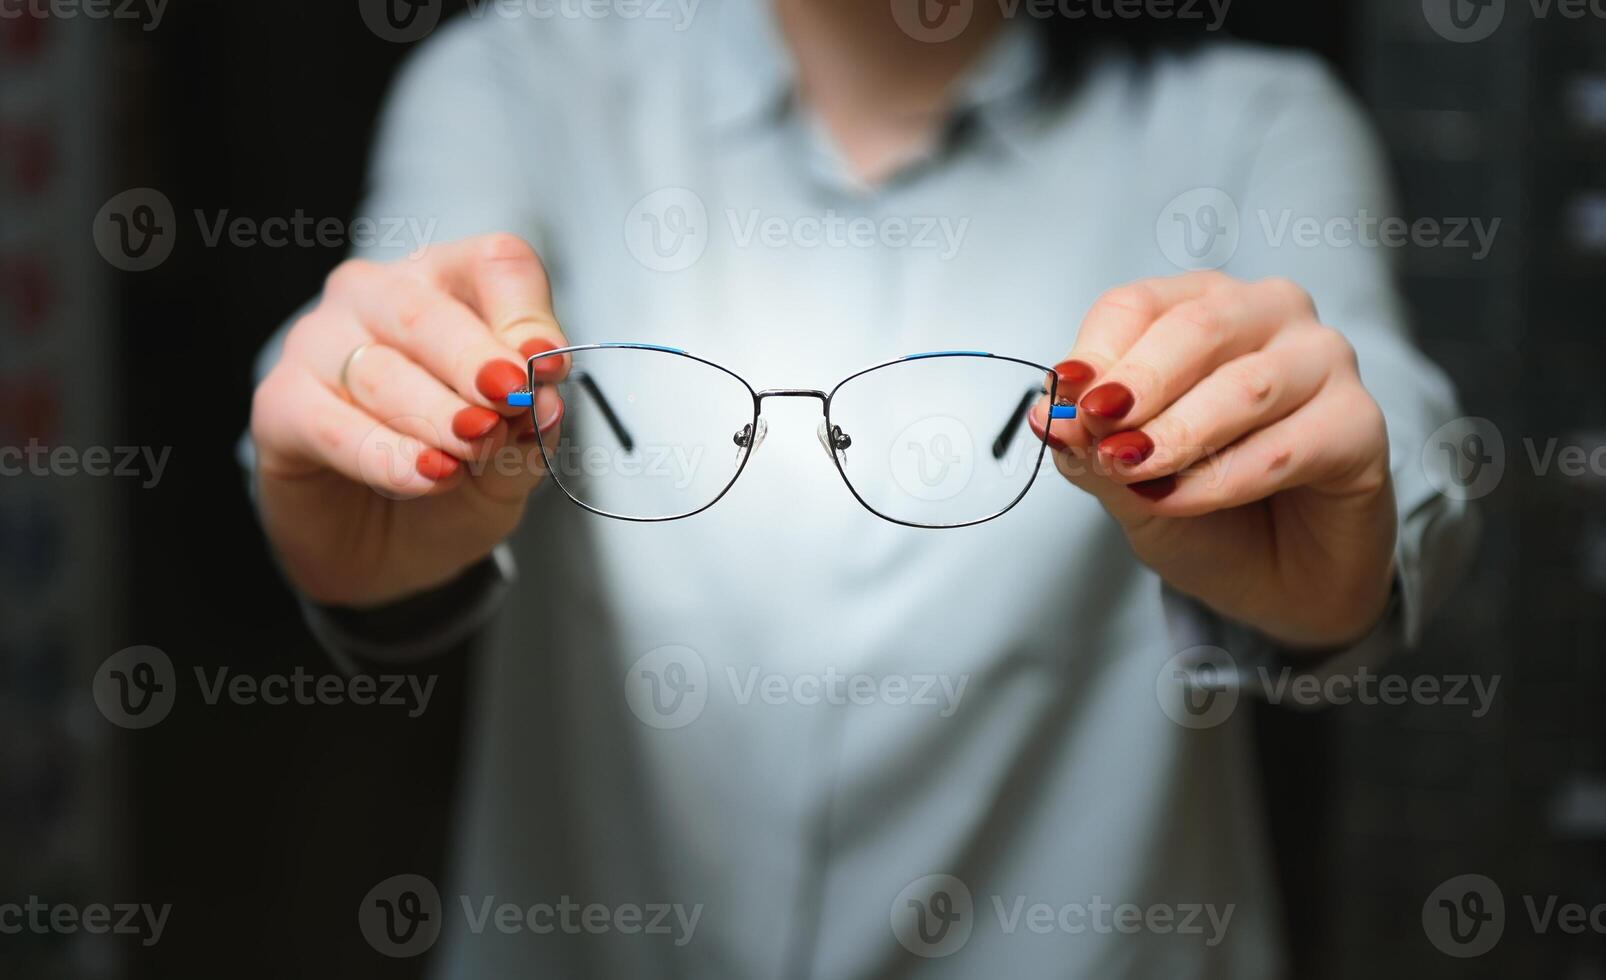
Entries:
{"x":1068,"y":40}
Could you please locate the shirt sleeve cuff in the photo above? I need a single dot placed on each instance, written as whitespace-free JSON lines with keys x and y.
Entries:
{"x":1253,"y":656}
{"x":418,"y":627}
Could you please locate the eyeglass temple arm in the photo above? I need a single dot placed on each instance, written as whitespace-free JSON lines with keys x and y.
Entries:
{"x":525,"y":398}
{"x":1007,"y":437}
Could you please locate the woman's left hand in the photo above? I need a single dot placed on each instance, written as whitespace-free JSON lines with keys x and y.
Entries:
{"x":1228,"y":432}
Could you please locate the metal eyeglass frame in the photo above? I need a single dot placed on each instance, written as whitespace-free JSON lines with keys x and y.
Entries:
{"x":525,"y":397}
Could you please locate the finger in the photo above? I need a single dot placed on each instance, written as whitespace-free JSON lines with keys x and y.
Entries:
{"x":1123,"y":314}
{"x":1111,"y":327}
{"x":1086,"y":471}
{"x":390,"y":387}
{"x":297,"y":418}
{"x":1320,"y":444}
{"x":1184,"y":345}
{"x":1245,"y":394}
{"x":517,"y":465}
{"x":502,"y":278}
{"x":404,"y":309}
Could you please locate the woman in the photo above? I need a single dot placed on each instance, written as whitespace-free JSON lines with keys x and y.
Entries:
{"x":669,"y":717}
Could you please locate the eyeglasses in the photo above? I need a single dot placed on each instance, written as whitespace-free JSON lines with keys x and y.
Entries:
{"x":651,"y":433}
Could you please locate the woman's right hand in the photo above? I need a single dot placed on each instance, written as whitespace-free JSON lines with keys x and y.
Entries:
{"x":414,"y":468}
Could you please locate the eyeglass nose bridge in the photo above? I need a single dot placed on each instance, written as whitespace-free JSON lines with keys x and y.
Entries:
{"x":793,"y":393}
{"x":833,"y":441}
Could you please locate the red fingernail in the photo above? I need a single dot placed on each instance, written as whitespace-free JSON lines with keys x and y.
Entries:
{"x":497,"y":378}
{"x":436,"y":465}
{"x":547,"y":369}
{"x":1111,"y":401}
{"x":1054,"y":441}
{"x":1072,"y":373}
{"x":1156,"y":489}
{"x":1131,"y":448}
{"x":474,"y":423}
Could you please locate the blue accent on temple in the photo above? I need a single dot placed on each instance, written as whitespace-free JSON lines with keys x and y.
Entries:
{"x":947,"y":353}
{"x":520,"y":399}
{"x":667,"y":350}
{"x":1062,"y":412}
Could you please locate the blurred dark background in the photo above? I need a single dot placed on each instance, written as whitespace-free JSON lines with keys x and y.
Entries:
{"x":265,"y":827}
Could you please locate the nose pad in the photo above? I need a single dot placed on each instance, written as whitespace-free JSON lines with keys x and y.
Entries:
{"x":750,"y":439}
{"x":832,"y":439}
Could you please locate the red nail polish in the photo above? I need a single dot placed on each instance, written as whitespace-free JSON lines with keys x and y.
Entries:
{"x":1156,"y":489}
{"x":1131,"y":447}
{"x":497,"y":378}
{"x":548,"y":369}
{"x":474,"y":423}
{"x":1072,"y":373}
{"x":436,"y":465}
{"x":1054,"y":441}
{"x":1110,"y":401}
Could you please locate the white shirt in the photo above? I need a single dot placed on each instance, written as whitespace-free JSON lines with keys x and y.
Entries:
{"x":872,"y":705}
